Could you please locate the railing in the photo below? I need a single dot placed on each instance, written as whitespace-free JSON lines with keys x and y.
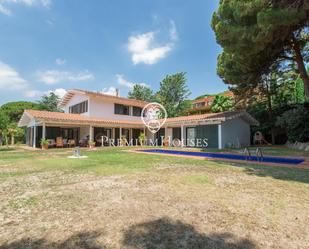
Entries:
{"x":247,"y":153}
{"x":259,"y":154}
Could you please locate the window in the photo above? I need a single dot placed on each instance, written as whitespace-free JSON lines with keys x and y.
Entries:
{"x":121,"y":109}
{"x":137,"y":111}
{"x":79,"y":108}
{"x":199,"y":104}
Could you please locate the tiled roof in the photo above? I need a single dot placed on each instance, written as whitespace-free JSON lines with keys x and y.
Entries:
{"x":212,"y":97}
{"x":46,"y":116}
{"x":115,"y":99}
{"x":76,"y":118}
{"x":222,"y":116}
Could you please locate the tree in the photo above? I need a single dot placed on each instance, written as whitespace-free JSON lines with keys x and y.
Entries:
{"x":49,"y":102}
{"x":257,"y":34}
{"x":173,"y":93}
{"x":14,"y":110}
{"x":4,"y":122}
{"x":141,"y":92}
{"x":221,"y":103}
{"x":296,"y":122}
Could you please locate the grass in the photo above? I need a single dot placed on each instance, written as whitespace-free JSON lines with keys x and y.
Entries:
{"x":118,"y":199}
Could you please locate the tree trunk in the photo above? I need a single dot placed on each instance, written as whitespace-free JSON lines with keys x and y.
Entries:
{"x":301,"y":67}
{"x":12,"y":140}
{"x":270,"y":112}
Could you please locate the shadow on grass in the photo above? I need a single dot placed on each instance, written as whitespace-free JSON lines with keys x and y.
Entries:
{"x":280,"y":173}
{"x":161,"y":233}
{"x":84,"y":240}
{"x":4,"y":149}
{"x":165,"y":233}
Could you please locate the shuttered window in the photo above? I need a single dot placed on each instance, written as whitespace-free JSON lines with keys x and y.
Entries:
{"x":79,"y":108}
{"x":121,"y":109}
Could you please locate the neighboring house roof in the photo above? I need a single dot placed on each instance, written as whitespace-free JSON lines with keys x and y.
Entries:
{"x":66,"y":118}
{"x":212,"y":97}
{"x":116,"y":99}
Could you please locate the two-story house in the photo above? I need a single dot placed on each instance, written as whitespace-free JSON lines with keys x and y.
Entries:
{"x":208,"y":100}
{"x":89,"y":115}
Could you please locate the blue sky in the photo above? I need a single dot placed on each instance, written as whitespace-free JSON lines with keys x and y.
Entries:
{"x":54,"y":45}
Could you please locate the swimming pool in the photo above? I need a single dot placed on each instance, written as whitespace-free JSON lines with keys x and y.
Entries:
{"x":266,"y":159}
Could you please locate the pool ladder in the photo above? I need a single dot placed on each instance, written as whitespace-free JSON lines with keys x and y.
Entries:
{"x":258,"y":153}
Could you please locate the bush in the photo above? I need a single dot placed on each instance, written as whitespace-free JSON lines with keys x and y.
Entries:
{"x":296,"y":123}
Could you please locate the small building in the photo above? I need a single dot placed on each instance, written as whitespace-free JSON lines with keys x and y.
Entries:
{"x":90,"y":115}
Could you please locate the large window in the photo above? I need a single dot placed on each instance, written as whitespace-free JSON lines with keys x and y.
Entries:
{"x":79,"y":108}
{"x":122,"y":109}
{"x":137,"y":111}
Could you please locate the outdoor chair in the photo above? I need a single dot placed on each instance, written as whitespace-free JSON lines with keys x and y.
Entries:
{"x":65,"y":142}
{"x":51,"y":143}
{"x":71,"y":143}
{"x":59,"y":142}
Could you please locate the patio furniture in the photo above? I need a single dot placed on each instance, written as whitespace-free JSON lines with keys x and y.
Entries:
{"x":65,"y":142}
{"x":71,"y":143}
{"x":52,"y":143}
{"x":59,"y":142}
{"x":83,"y":142}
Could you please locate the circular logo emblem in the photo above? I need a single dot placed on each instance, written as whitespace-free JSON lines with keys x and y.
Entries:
{"x":154,"y":116}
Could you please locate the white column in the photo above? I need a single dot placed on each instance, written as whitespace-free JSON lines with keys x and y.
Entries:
{"x":34,"y":136}
{"x":182,"y":136}
{"x":44,"y":131}
{"x":220,"y":136}
{"x":113,"y":133}
{"x":91,"y":134}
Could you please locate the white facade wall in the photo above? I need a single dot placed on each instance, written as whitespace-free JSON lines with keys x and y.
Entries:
{"x":235,"y":132}
{"x":101,"y":109}
{"x":98,"y":108}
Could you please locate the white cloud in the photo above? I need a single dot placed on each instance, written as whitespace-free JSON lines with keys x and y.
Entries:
{"x":123,"y":82}
{"x":110,"y":90}
{"x":29,"y":3}
{"x":10,"y":78}
{"x":51,"y":77}
{"x":60,"y":92}
{"x":173,"y":31}
{"x":60,"y":61}
{"x":144,"y":50}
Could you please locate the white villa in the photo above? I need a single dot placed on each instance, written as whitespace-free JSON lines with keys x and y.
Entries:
{"x":90,"y":115}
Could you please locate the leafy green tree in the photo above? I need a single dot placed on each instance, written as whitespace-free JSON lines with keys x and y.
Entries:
{"x":257,"y":34}
{"x":4,"y":123}
{"x":173,"y":93}
{"x":296,"y":122}
{"x":221,"y":103}
{"x":49,"y":102}
{"x":299,"y":91}
{"x":14,"y":110}
{"x":141,"y":92}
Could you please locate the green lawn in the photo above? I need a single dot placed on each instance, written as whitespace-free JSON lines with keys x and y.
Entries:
{"x":119,"y":199}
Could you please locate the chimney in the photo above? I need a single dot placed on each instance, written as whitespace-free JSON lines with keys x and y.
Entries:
{"x":117,"y":92}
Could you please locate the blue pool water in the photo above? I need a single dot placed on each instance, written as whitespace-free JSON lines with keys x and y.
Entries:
{"x":267,"y":159}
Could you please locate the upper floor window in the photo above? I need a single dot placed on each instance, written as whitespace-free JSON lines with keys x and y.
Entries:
{"x":199,"y":104}
{"x":79,"y":108}
{"x":122,"y":109}
{"x":137,"y":111}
